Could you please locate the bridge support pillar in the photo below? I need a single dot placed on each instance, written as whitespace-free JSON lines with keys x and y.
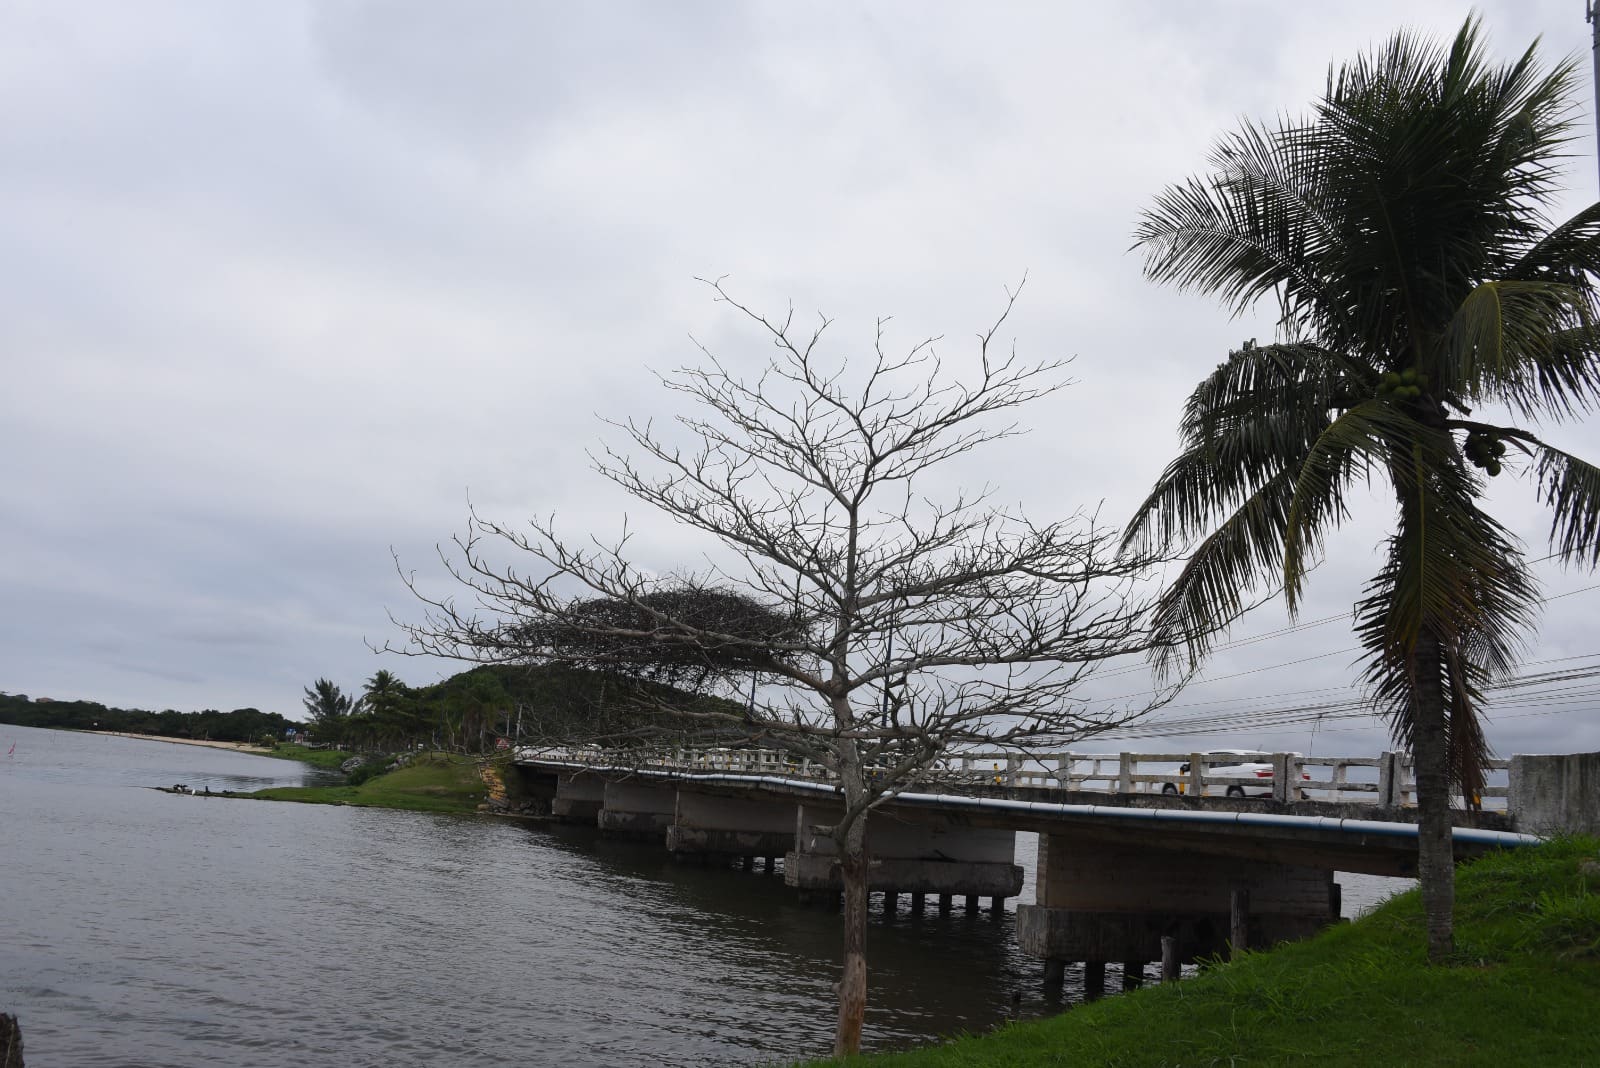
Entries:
{"x":929,"y":858}
{"x":578,"y":798}
{"x":1055,"y":973}
{"x":730,"y":827}
{"x":1101,"y":901}
{"x":1094,"y":979}
{"x":636,"y":810}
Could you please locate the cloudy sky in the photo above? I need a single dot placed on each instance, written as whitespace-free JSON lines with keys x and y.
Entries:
{"x":281,"y":284}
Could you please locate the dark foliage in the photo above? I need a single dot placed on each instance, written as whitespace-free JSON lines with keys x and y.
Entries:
{"x":685,"y":635}
{"x":240,"y":725}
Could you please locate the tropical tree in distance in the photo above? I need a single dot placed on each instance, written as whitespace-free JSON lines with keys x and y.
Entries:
{"x":385,"y":715}
{"x":328,"y":708}
{"x":1401,"y":228}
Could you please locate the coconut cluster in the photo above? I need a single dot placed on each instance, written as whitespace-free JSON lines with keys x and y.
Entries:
{"x":1406,"y":385}
{"x":1485,"y":450}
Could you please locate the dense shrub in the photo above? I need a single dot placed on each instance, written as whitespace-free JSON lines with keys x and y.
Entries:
{"x":370,"y":770}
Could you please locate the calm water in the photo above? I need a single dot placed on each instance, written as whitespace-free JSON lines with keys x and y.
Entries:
{"x":140,"y":928}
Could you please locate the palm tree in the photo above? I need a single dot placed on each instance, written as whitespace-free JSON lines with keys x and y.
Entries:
{"x":385,"y":704}
{"x":1402,"y":229}
{"x":328,"y":708}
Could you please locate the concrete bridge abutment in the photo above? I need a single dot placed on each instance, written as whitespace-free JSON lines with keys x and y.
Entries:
{"x":943,"y":858}
{"x":729,"y":828}
{"x":637,"y":810}
{"x":578,"y":797}
{"x":1103,"y":902}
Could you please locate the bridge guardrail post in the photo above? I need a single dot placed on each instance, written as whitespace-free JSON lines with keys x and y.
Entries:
{"x":1125,"y":773}
{"x":1197,"y":775}
{"x":1064,"y":770}
{"x":1280,"y":776}
{"x":1390,"y":773}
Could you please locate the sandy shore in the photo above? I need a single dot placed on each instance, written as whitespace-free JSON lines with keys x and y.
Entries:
{"x":241,"y":747}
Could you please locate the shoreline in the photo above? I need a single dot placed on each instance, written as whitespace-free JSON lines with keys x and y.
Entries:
{"x":237,"y":747}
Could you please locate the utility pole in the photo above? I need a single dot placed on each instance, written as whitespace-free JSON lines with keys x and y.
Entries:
{"x":1594,"y":50}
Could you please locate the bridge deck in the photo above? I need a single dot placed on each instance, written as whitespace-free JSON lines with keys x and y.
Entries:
{"x":1338,"y":835}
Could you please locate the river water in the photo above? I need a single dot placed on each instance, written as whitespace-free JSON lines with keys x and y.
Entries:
{"x":142,"y":929}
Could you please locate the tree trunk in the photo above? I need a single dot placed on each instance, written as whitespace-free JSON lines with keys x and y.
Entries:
{"x":1430,"y":750}
{"x":853,"y":982}
{"x":10,"y":1042}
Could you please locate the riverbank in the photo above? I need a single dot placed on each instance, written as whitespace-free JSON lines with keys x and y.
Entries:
{"x":1362,"y":994}
{"x":327,"y":759}
{"x":238,"y":747}
{"x":432,"y":782}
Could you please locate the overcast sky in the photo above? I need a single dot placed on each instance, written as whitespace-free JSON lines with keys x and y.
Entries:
{"x":281,"y":284}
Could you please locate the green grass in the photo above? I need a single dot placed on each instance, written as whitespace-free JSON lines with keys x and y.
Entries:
{"x":1525,"y":989}
{"x":317,"y":758}
{"x":436,"y":782}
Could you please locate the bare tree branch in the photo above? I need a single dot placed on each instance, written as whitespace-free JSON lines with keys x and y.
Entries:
{"x":911,"y":627}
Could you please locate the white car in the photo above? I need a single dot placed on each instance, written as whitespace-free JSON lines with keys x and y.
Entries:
{"x":1233,"y":769}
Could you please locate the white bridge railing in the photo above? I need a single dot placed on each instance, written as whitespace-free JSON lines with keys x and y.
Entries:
{"x":1387,"y":779}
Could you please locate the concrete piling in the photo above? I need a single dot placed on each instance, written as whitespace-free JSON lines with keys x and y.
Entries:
{"x":1239,"y":928}
{"x":1094,"y":979}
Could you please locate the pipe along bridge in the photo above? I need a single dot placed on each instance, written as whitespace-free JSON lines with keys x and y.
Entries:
{"x":1142,"y":857}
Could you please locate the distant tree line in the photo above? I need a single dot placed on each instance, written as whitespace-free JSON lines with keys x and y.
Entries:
{"x":524,"y":704}
{"x":239,"y":725}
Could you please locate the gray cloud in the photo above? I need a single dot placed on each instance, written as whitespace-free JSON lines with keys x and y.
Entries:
{"x":284,"y":283}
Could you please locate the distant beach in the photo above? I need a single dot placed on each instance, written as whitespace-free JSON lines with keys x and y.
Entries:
{"x":243,"y":747}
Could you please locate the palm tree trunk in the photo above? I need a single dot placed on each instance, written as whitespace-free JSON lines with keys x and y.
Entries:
{"x":1430,"y":750}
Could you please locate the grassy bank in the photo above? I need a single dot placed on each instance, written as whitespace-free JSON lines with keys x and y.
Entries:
{"x":435,"y":782}
{"x":317,"y":758}
{"x":1524,"y":991}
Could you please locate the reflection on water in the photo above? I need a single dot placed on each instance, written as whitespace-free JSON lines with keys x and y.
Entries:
{"x":146,"y":928}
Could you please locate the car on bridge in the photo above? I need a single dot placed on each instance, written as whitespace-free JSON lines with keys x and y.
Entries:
{"x":1240,"y":768}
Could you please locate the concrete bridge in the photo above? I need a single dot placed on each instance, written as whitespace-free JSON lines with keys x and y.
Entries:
{"x":1204,"y":850}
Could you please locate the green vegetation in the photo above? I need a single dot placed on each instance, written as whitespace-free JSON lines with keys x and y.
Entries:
{"x":434,"y":782}
{"x":1521,"y":990}
{"x":1429,"y":317}
{"x":240,"y":725}
{"x":329,"y":759}
{"x":471,"y":711}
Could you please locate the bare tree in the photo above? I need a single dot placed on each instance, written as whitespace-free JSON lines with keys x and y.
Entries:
{"x":912,"y":627}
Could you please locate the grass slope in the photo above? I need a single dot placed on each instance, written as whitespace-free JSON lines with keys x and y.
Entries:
{"x":437,"y":782}
{"x":1526,"y":990}
{"x":317,"y":758}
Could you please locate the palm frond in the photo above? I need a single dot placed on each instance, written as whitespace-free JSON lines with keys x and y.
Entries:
{"x":1454,"y":576}
{"x":1211,"y":590}
{"x":1253,"y":227}
{"x":1568,"y":253}
{"x":1571,"y":487}
{"x":1256,"y":413}
{"x":1361,"y":439}
{"x":1513,"y":342}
